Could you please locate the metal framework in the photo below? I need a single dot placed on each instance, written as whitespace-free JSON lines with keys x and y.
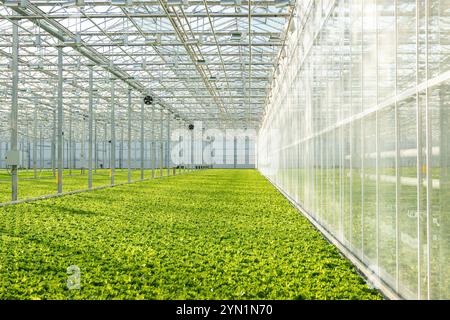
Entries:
{"x":202,"y":60}
{"x":73,"y":74}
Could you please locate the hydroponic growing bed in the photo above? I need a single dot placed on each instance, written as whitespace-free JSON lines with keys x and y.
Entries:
{"x":214,"y":234}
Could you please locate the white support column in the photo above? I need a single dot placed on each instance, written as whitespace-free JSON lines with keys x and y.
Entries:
{"x":397,"y":158}
{"x":153,"y":144}
{"x":192,"y":164}
{"x":95,"y":144}
{"x":91,"y":124}
{"x":27,"y":144}
{"x":142,"y":139}
{"x":35,"y":141}
{"x":60,"y":120}
{"x":168,"y":145}
{"x":186,"y":140}
{"x":53,"y":144}
{"x":161,"y":143}
{"x":121,"y":148}
{"x":129,"y":136}
{"x":135,"y":157}
{"x":113,"y":133}
{"x":425,"y":291}
{"x":105,"y":145}
{"x":83,"y":146}
{"x":41,"y":149}
{"x":70,"y":153}
{"x":419,"y":159}
{"x":14,"y":107}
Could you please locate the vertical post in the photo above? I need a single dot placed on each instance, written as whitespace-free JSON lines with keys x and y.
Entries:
{"x":142,"y":139}
{"x":35,"y":142}
{"x":185,"y":148}
{"x":129,"y":136}
{"x":161,"y":143}
{"x":53,"y":144}
{"x":113,"y":133}
{"x":28,"y":147}
{"x":134,"y":148}
{"x":20,"y":148}
{"x":69,"y":153}
{"x":224,"y":140}
{"x":83,"y":146}
{"x":105,"y":145}
{"x":192,"y":165}
{"x":95,"y":145}
{"x":41,"y":150}
{"x":22,"y":151}
{"x":121,"y":148}
{"x":419,"y":159}
{"x":14,"y":107}
{"x":428,"y":154}
{"x":91,"y":124}
{"x":168,"y":145}
{"x":152,"y":145}
{"x":181,"y":143}
{"x":202,"y":146}
{"x":397,"y":156}
{"x":60,"y":119}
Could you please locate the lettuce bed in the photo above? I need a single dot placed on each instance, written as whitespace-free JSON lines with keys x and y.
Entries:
{"x":215,"y":234}
{"x":46,"y":184}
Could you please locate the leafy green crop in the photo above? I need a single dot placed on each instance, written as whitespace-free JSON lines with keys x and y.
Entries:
{"x":215,"y":234}
{"x":46,"y":183}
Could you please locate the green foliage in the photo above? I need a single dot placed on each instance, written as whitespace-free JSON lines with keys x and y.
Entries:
{"x":216,"y":234}
{"x":46,"y":183}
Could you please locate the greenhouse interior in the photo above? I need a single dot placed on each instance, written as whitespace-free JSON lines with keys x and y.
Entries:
{"x":225,"y":149}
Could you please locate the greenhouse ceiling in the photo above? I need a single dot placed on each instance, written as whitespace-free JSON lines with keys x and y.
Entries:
{"x":212,"y":61}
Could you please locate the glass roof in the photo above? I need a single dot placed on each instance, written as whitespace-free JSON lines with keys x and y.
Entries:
{"x":201,"y":60}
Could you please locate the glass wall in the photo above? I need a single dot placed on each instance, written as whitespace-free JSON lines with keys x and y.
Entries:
{"x":357,"y":132}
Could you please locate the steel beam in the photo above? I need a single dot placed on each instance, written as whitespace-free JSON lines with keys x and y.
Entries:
{"x":168,"y":146}
{"x":139,"y":15}
{"x":153,"y":144}
{"x":161,"y":143}
{"x":142,"y":139}
{"x":53,"y":145}
{"x":35,"y":123}
{"x":113,"y":132}
{"x":14,"y":108}
{"x":60,"y":132}
{"x":91,"y":124}
{"x":129,"y":136}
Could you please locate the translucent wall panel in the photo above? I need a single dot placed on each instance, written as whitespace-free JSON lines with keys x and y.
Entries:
{"x":357,"y":132}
